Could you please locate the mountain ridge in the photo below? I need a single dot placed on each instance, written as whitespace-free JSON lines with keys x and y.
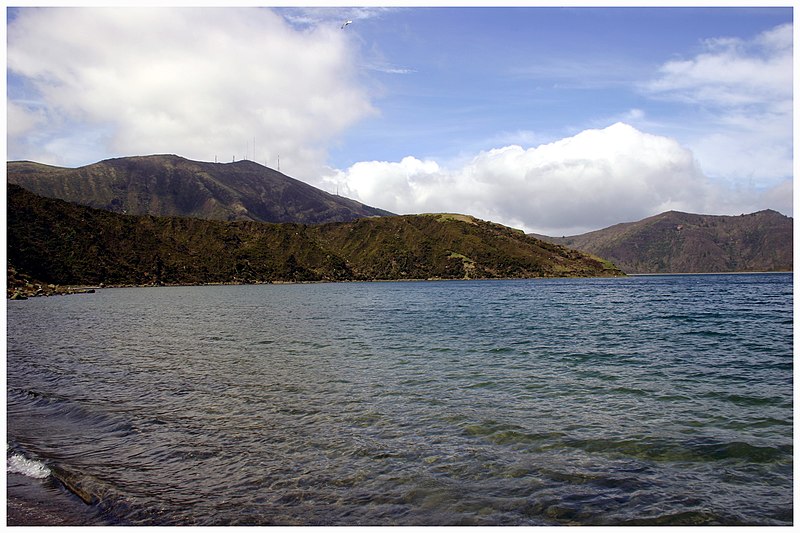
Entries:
{"x":171,"y":185}
{"x":679,"y":242}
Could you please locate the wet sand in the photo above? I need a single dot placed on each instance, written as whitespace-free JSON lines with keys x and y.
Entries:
{"x":45,"y":502}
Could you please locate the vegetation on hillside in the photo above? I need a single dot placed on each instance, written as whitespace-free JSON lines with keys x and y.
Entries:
{"x":683,"y":242}
{"x":399,"y":248}
{"x":56,"y":242}
{"x":169,"y":185}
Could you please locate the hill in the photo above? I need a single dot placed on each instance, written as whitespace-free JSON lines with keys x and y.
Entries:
{"x":168,"y":185}
{"x":55,"y":242}
{"x":683,"y":242}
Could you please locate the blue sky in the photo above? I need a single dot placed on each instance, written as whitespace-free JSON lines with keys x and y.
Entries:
{"x":557,"y":120}
{"x":469,"y":77}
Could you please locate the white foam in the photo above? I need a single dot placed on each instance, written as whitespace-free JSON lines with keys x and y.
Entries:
{"x":17,"y":464}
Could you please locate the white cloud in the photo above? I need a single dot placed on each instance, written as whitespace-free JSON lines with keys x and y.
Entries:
{"x":335,"y":16}
{"x":22,"y":119}
{"x":595,"y":179}
{"x":197,"y":82}
{"x":85,"y":84}
{"x":741,"y":91}
{"x":733,"y":72}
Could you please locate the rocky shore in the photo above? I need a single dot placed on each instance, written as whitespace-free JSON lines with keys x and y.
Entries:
{"x":21,"y":287}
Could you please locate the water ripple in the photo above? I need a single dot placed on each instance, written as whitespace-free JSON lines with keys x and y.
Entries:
{"x":659,"y":400}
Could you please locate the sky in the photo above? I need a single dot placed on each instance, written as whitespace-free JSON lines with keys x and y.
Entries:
{"x":554,"y":120}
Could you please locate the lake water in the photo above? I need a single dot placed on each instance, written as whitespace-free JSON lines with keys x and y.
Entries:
{"x":642,"y":400}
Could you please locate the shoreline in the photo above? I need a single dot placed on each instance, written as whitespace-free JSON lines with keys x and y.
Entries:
{"x":45,"y":502}
{"x":23,"y":293}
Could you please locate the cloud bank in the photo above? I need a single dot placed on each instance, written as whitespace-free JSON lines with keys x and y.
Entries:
{"x":742,"y":93}
{"x":595,"y":179}
{"x":201,"y":83}
{"x":221,"y":83}
{"x":735,"y":154}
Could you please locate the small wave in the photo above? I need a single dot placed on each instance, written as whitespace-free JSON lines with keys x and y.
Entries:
{"x":744,"y":451}
{"x":19,"y":464}
{"x":683,"y":518}
{"x":710,"y":333}
{"x":747,"y":400}
{"x":482,"y":385}
{"x":629,"y":390}
{"x":62,"y":411}
{"x":697,"y":450}
{"x":500,"y":433}
{"x":502,"y":349}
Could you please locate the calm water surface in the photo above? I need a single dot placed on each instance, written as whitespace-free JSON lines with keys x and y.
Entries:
{"x":646,"y":400}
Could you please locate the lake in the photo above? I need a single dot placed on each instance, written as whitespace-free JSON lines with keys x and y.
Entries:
{"x":640,"y":400}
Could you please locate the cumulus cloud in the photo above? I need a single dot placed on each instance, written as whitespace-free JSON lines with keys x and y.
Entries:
{"x":592,"y":180}
{"x":202,"y":83}
{"x":85,"y":84}
{"x":742,"y":91}
{"x":21,"y":119}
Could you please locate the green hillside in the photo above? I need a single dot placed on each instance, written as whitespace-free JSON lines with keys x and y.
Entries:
{"x":55,"y":242}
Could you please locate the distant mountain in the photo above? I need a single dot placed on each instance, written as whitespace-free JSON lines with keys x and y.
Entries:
{"x":683,"y":242}
{"x":168,"y":185}
{"x":55,"y":242}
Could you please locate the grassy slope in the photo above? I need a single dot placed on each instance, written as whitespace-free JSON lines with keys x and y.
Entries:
{"x":57,"y":242}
